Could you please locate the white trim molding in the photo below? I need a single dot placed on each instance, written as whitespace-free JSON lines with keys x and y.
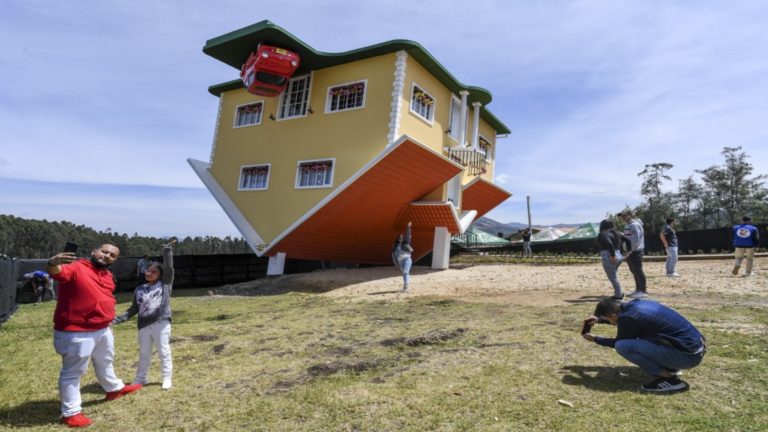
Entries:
{"x":396,"y":106}
{"x":250,"y":235}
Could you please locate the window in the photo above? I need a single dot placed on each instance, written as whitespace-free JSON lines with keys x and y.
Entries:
{"x":422,"y":104}
{"x":254,"y":177}
{"x":455,"y":120}
{"x":483,"y":146}
{"x":249,"y":114}
{"x":345,"y":97}
{"x":295,"y":99}
{"x":315,"y":174}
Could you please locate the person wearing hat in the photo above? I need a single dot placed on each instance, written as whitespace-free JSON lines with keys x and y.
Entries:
{"x":745,"y":240}
{"x":633,"y":230}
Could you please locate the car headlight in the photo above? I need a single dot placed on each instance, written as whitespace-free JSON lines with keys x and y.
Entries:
{"x":265,"y":54}
{"x":294,"y":63}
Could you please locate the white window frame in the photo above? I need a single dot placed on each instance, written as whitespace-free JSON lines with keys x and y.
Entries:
{"x":454,"y":128}
{"x":240,"y":177}
{"x":329,"y":98}
{"x":430,"y":120}
{"x":287,"y":94}
{"x":480,"y":147}
{"x":309,"y":161}
{"x":237,"y":113}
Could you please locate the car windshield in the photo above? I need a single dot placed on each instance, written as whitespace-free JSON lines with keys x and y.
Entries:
{"x":268,"y":78}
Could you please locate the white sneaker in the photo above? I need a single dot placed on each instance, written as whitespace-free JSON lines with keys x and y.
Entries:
{"x":638,"y":294}
{"x":166,"y":384}
{"x":673,"y":275}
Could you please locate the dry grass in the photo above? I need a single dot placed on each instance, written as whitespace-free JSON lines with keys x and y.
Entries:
{"x":346,"y":353}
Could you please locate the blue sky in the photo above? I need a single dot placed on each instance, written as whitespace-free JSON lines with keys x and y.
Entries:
{"x":101,"y":102}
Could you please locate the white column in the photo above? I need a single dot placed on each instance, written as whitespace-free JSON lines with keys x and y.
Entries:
{"x":441,"y":248}
{"x":276,"y":264}
{"x":475,"y":125}
{"x":463,"y":119}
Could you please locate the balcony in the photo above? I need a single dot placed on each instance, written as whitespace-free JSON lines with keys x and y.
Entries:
{"x":474,"y":161}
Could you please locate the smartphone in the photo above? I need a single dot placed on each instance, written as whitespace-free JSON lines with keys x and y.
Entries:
{"x":70,"y":247}
{"x":587,"y":328}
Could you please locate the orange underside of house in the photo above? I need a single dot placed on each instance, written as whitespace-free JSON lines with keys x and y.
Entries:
{"x":482,"y":196}
{"x":361,"y":223}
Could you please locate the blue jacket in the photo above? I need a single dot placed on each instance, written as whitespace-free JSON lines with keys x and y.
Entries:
{"x":745,"y":236}
{"x":649,"y":320}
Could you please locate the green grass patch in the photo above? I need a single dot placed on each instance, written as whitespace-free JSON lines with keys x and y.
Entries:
{"x":303,"y":362}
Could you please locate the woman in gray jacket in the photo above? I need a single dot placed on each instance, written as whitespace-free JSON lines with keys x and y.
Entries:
{"x":401,"y":256}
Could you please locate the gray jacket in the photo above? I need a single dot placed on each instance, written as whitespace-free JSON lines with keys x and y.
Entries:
{"x":634,"y":231}
{"x":152,"y":301}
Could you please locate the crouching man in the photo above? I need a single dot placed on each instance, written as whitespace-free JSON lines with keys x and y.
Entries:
{"x":652,"y":336}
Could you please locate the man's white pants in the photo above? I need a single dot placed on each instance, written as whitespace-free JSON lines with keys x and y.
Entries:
{"x":157,"y":334}
{"x":75,"y":348}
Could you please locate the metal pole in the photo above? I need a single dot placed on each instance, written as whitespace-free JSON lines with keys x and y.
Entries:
{"x":528,"y":200}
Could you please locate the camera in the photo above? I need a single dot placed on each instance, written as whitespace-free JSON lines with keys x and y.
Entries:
{"x":70,"y":247}
{"x":587,"y":327}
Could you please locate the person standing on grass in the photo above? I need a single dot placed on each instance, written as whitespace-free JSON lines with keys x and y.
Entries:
{"x":652,"y":336}
{"x":401,"y":256}
{"x":527,"y":253}
{"x":633,"y":230}
{"x":668,"y":238}
{"x":610,"y":243}
{"x":84,"y":311}
{"x":745,"y":241}
{"x":152,"y":301}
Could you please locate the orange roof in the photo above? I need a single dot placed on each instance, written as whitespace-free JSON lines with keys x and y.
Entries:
{"x":427,"y":215}
{"x":361,"y":219}
{"x":482,"y":195}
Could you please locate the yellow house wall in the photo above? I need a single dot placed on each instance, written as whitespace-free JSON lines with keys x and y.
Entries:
{"x":434,"y":135}
{"x":352,"y":137}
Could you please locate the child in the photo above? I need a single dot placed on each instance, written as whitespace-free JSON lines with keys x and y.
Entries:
{"x":152,"y":301}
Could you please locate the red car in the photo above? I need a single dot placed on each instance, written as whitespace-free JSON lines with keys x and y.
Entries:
{"x":267,"y":70}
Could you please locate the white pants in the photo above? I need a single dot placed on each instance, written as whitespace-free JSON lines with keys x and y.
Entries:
{"x":159,"y":335}
{"x":75,"y":348}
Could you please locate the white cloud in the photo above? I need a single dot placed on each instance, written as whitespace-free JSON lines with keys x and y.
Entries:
{"x":111,"y":93}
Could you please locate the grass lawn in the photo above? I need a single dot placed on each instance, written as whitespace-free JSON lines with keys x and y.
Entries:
{"x":299,"y":361}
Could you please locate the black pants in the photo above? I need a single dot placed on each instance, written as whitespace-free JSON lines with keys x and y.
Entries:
{"x":635,"y":263}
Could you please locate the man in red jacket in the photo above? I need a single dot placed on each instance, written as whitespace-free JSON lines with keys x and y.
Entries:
{"x":84,"y":311}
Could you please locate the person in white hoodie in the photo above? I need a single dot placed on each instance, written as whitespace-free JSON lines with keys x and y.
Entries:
{"x":634,"y":231}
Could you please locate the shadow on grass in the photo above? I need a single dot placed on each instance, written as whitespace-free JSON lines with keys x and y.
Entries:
{"x":38,"y":412}
{"x":604,"y":378}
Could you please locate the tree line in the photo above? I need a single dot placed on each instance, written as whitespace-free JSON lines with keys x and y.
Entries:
{"x":38,"y":239}
{"x":724,"y":194}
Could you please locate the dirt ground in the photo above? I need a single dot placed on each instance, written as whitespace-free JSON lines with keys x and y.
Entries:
{"x":702,"y":283}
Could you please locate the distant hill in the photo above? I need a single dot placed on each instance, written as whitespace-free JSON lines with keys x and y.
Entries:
{"x":493,"y":227}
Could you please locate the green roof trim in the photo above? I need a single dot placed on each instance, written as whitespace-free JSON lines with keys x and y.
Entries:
{"x":234,"y":47}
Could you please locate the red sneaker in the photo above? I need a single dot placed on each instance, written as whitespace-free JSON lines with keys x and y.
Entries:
{"x":122,"y":392}
{"x":77,"y":420}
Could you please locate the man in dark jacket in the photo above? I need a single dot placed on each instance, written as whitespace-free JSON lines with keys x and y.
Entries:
{"x":652,"y":336}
